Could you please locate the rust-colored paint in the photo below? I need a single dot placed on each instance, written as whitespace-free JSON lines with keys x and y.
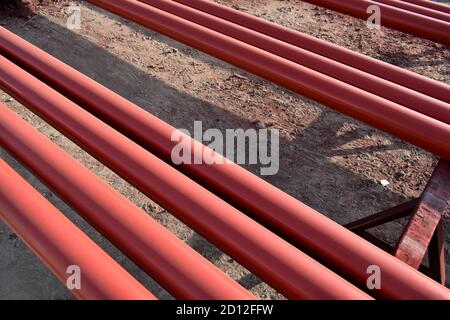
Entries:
{"x":59,"y":243}
{"x":300,"y":223}
{"x":391,"y":91}
{"x":287,"y":269}
{"x":406,"y":124}
{"x":168,"y":260}
{"x":416,"y":9}
{"x":413,"y":243}
{"x":359,"y":61}
{"x":392,"y":17}
{"x":431,"y":5}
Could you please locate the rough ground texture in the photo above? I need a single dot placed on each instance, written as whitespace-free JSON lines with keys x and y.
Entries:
{"x":329,"y":161}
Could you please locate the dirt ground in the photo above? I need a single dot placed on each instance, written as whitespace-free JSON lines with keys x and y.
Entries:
{"x":329,"y":161}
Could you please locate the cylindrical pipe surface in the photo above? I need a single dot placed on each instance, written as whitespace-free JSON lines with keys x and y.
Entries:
{"x":178,"y":268}
{"x":405,"y":21}
{"x":60,"y":245}
{"x":406,"y":124}
{"x":332,"y":242}
{"x":430,"y":4}
{"x":287,"y":269}
{"x":424,"y":104}
{"x":356,"y":60}
{"x":417,"y":9}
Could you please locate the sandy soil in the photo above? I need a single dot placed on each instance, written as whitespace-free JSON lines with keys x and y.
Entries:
{"x":329,"y":161}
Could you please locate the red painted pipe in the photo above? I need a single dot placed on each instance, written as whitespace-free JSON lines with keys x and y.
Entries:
{"x":406,"y":124}
{"x":168,"y":260}
{"x":417,"y":9}
{"x":59,"y":243}
{"x":280,"y":264}
{"x":405,"y":21}
{"x":359,"y":61}
{"x":300,"y":223}
{"x":434,"y":108}
{"x":431,"y":5}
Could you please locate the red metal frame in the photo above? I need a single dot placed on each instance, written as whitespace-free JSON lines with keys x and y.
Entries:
{"x":289,"y":217}
{"x":425,"y":230}
{"x":283,"y":266}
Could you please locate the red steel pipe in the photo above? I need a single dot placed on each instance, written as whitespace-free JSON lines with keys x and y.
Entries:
{"x":29,"y":56}
{"x":409,"y":22}
{"x":434,"y":108}
{"x":356,"y":60}
{"x":406,"y":124}
{"x":287,"y":269}
{"x":168,"y":260}
{"x":417,"y":9}
{"x":302,"y":224}
{"x":59,"y":243}
{"x":431,"y":5}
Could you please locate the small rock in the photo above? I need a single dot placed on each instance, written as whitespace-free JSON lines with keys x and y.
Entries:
{"x":13,"y":237}
{"x":399,"y":175}
{"x":47,"y":195}
{"x":236,"y":75}
{"x":170,"y":50}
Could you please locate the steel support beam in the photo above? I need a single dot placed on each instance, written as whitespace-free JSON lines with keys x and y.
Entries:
{"x":425,"y":229}
{"x":416,"y":238}
{"x":436,"y":255}
{"x":391,"y":214}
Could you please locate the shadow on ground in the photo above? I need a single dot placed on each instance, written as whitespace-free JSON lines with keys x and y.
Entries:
{"x":306,"y":169}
